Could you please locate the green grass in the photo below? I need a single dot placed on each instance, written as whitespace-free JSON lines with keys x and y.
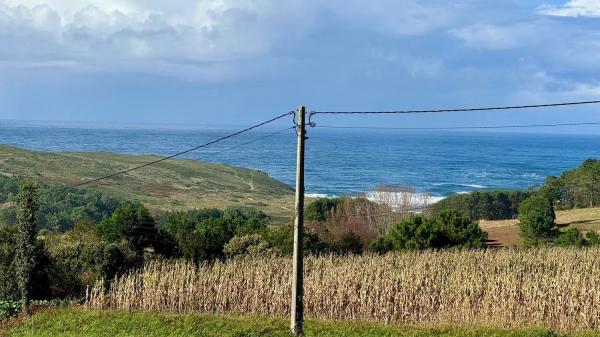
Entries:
{"x":86,"y":323}
{"x":172,"y":184}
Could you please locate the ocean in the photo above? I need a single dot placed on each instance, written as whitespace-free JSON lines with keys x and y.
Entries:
{"x":343,"y":162}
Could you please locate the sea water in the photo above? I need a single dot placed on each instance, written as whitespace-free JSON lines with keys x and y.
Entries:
{"x":342,"y":162}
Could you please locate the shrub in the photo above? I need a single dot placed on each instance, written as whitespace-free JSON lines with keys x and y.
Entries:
{"x":350,"y":243}
{"x":207,"y":241}
{"x":319,"y":209}
{"x":201,"y":235}
{"x":8,"y":309}
{"x":457,"y":230}
{"x":281,"y":239}
{"x":363,"y":218}
{"x":571,"y":237}
{"x":79,"y":259}
{"x":449,"y":229}
{"x":536,"y":216}
{"x":381,"y":245}
{"x":592,"y":238}
{"x":251,"y":245}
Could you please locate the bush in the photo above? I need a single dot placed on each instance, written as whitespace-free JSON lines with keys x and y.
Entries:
{"x":592,"y":238}
{"x":571,"y":237}
{"x":350,"y":243}
{"x":489,"y":205}
{"x":250,"y":245}
{"x":381,"y":245}
{"x":281,"y":239}
{"x":79,"y":259}
{"x":201,"y":235}
{"x":8,"y":309}
{"x":536,"y":216}
{"x":449,"y":229}
{"x":319,"y":209}
{"x":457,"y":229}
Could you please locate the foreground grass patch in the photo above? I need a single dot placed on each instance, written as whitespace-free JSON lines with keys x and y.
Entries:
{"x":88,"y":323}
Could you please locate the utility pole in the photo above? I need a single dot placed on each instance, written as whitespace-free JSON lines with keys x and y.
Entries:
{"x":297,"y":314}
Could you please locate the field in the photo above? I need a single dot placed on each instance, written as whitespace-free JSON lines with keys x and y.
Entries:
{"x":87,"y":323}
{"x":554,"y":288}
{"x":506,"y":232}
{"x":170,"y":185}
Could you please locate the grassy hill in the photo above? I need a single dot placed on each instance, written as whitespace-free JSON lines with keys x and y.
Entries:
{"x":172,"y":184}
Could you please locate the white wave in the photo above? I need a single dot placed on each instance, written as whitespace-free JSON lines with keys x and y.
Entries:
{"x":457,"y":184}
{"x":472,"y":185}
{"x":318,"y":195}
{"x":399,"y":200}
{"x":433,"y":199}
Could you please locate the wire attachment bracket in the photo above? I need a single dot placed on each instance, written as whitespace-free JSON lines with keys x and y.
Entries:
{"x":310,"y":122}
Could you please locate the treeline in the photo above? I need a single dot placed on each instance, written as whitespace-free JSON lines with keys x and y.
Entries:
{"x":59,"y":209}
{"x":489,"y":205}
{"x":576,"y":188}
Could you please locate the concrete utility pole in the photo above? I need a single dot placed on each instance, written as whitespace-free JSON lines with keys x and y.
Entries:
{"x":297,"y":315}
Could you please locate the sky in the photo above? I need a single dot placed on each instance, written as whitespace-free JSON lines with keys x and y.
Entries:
{"x":236,"y":62}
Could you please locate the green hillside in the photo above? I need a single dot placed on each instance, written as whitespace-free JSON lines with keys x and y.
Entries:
{"x":172,"y":184}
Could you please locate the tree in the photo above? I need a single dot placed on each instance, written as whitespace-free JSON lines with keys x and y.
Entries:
{"x":27,"y":201}
{"x":416,"y":232}
{"x":489,"y":205}
{"x":449,"y":229}
{"x":320,"y":209}
{"x":536,"y":216}
{"x":133,"y":222}
{"x":457,"y":229}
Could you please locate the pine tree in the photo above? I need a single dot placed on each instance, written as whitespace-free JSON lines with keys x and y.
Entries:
{"x":27,"y":200}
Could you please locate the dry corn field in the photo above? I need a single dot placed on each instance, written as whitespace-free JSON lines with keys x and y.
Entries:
{"x":557,"y":288}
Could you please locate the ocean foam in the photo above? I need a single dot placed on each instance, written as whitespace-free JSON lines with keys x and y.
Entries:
{"x":318,"y":195}
{"x":399,"y":200}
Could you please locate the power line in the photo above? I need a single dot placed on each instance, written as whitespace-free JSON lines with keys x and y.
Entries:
{"x":171,"y":156}
{"x":459,"y":127}
{"x":247,"y":143}
{"x":510,"y":107}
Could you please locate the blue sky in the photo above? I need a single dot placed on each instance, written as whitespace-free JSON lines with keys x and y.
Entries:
{"x":234,"y":62}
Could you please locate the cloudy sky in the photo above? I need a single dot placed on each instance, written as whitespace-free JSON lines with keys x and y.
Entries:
{"x":232,"y":62}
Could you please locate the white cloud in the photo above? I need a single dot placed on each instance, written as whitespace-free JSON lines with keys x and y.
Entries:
{"x":540,"y":86}
{"x":574,"y":8}
{"x":396,"y":17}
{"x":190,"y":36}
{"x":107,"y":38}
{"x":487,"y":36}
